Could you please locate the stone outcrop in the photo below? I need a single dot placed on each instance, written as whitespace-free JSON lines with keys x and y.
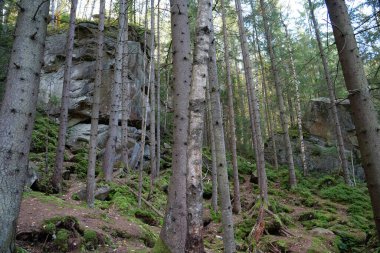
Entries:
{"x":320,"y":141}
{"x":83,"y":75}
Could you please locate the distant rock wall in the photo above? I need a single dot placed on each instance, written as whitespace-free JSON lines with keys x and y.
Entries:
{"x":320,"y":140}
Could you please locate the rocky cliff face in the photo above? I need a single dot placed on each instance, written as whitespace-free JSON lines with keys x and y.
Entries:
{"x":82,"y":82}
{"x":320,"y":141}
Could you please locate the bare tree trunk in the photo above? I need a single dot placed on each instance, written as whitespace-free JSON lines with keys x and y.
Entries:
{"x":298,"y":102}
{"x":17,"y":113}
{"x":53,"y":13}
{"x":280,"y":99}
{"x":109,"y":13}
{"x":265,"y":91}
{"x":257,"y":137}
{"x":236,"y":205}
{"x":223,"y":184}
{"x":158,"y":134}
{"x":174,"y":230}
{"x":330,"y":87}
{"x":126,"y":90}
{"x":152,"y":86}
{"x":214,"y":170}
{"x":363,"y":111}
{"x":194,"y":189}
{"x":90,"y":189}
{"x":145,"y":103}
{"x":110,"y":149}
{"x":58,"y":167}
{"x":240,"y":86}
{"x":92,"y":9}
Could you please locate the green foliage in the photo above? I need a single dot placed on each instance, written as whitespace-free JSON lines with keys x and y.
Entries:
{"x":20,"y":250}
{"x":216,"y":216}
{"x":81,"y":163}
{"x":245,"y":167}
{"x":243,"y":228}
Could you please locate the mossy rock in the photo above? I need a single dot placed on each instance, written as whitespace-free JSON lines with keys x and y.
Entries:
{"x":63,"y":222}
{"x":146,"y":217}
{"x":61,"y":241}
{"x":90,"y":238}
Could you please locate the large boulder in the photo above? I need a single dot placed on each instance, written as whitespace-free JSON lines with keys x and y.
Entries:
{"x":83,"y":75}
{"x":318,"y":120}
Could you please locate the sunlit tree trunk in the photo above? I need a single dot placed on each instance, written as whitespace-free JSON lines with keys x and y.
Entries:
{"x":194,"y":189}
{"x":95,"y":110}
{"x":363,"y":112}
{"x":17,"y":113}
{"x":110,"y":149}
{"x":330,"y":87}
{"x":63,"y":117}
{"x":280,"y":98}
{"x":174,"y":230}
{"x":223,"y":184}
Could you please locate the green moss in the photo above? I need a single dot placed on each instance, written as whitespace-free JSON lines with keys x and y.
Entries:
{"x":243,"y":228}
{"x":160,"y":247}
{"x":90,"y":239}
{"x":216,"y":216}
{"x":317,"y":218}
{"x":61,"y":240}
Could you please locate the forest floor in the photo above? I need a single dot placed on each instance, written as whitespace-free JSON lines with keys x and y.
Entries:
{"x":303,"y":221}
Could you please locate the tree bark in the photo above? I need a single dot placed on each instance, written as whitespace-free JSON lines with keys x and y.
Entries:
{"x":125,"y":102}
{"x":255,"y":114}
{"x":232,"y":129}
{"x":58,"y":166}
{"x":95,"y":110}
{"x":330,"y":87}
{"x":194,"y":188}
{"x":152,"y":99}
{"x":214,"y":170}
{"x":18,"y":111}
{"x":223,"y":184}
{"x":158,"y":97}
{"x":363,"y":112}
{"x":280,"y":98}
{"x":174,"y":230}
{"x":110,"y":149}
{"x":298,"y":102}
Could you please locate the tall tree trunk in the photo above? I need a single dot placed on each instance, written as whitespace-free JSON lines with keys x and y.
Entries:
{"x":158,"y":92}
{"x":53,"y":13}
{"x":92,"y":9}
{"x":17,"y":113}
{"x":174,"y":230}
{"x":265,"y":91}
{"x":152,"y":99}
{"x":110,"y":149}
{"x":126,"y":90}
{"x":223,"y":184}
{"x":298,"y":101}
{"x":363,"y":111}
{"x":145,"y":102}
{"x":109,"y":13}
{"x":214,"y":170}
{"x":280,"y":98}
{"x":241,"y":98}
{"x":330,"y":87}
{"x":236,"y":205}
{"x":257,"y":137}
{"x":95,"y":110}
{"x":194,"y":189}
{"x":58,"y":166}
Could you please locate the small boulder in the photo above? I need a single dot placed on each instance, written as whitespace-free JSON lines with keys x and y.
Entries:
{"x":321,"y":232}
{"x":101,"y":193}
